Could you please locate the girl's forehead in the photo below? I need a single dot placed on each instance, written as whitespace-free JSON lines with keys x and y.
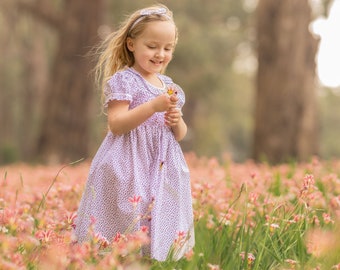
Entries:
{"x":163,"y":30}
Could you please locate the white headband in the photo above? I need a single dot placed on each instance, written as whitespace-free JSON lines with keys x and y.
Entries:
{"x":147,"y":12}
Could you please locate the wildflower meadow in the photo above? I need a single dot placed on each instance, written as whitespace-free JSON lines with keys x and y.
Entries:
{"x":247,"y":216}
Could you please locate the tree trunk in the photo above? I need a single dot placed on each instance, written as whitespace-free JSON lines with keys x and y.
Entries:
{"x":65,"y":124}
{"x":285,"y":115}
{"x":35,"y":77}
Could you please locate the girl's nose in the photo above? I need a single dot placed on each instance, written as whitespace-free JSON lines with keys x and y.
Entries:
{"x":160,"y":53}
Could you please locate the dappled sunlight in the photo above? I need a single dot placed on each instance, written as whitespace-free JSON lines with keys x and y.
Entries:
{"x":328,"y":57}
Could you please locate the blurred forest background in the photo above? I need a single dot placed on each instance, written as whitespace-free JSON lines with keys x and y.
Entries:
{"x":229,"y":53}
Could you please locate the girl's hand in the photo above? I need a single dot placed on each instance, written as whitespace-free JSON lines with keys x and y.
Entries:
{"x":164,"y":103}
{"x":173,"y":117}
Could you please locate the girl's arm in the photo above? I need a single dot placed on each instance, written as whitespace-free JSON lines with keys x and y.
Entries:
{"x":122,"y":120}
{"x":180,"y":129}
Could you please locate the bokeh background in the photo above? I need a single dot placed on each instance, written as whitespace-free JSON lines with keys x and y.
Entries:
{"x":229,"y":53}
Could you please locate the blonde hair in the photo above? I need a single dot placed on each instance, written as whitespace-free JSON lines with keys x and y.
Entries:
{"x":113,"y":52}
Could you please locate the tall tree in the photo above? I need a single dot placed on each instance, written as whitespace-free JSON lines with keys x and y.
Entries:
{"x":65,"y":121}
{"x":286,"y":114}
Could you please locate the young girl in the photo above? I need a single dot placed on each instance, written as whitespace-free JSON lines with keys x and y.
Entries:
{"x":139,"y":170}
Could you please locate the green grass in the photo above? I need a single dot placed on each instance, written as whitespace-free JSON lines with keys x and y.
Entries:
{"x":273,"y":248}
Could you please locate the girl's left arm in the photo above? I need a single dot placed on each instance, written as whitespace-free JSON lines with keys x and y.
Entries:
{"x":180,"y":129}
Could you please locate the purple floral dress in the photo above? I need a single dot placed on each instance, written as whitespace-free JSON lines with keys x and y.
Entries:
{"x":145,"y":165}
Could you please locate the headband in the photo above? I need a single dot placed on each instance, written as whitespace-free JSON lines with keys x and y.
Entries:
{"x":147,"y":12}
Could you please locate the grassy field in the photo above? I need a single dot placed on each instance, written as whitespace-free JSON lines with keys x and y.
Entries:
{"x":247,"y":216}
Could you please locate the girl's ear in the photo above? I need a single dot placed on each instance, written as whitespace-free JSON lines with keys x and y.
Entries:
{"x":129,"y":44}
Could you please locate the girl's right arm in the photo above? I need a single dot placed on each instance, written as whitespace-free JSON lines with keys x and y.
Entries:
{"x":122,"y":120}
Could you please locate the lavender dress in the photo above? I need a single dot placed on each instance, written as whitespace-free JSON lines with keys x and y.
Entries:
{"x":146,"y":162}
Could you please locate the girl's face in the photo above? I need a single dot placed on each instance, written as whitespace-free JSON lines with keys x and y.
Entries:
{"x":153,"y":49}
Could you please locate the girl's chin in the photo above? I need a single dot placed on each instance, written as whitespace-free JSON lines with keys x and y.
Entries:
{"x":156,"y":69}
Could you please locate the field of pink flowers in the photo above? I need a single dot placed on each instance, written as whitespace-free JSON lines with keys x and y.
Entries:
{"x":247,"y":216}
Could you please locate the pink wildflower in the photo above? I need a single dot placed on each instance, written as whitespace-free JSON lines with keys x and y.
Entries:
{"x":117,"y":237}
{"x":70,"y":218}
{"x":101,"y":240}
{"x":181,"y":237}
{"x":210,"y":222}
{"x":189,"y":255}
{"x":273,"y":226}
{"x":327,"y":218}
{"x":320,"y":242}
{"x":144,"y":229}
{"x":308,"y":181}
{"x":253,"y":197}
{"x":315,"y":220}
{"x":17,"y":259}
{"x":297,"y":218}
{"x":250,"y":257}
{"x":291,"y":262}
{"x":225,"y":219}
{"x":335,"y":202}
{"x":45,"y":235}
{"x":135,"y":200}
{"x":337,"y":267}
{"x":308,"y":185}
{"x":3,"y":229}
{"x":213,"y":266}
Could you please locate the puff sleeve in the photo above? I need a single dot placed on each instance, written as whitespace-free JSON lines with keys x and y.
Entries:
{"x":118,"y":87}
